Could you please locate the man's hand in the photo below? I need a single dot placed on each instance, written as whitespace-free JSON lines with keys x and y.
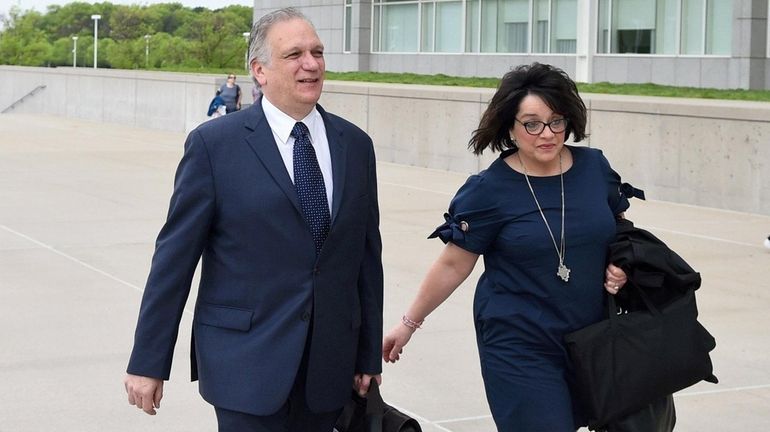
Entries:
{"x":144,"y":392}
{"x":361,"y":383}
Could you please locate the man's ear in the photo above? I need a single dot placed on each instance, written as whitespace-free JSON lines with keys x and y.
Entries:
{"x":257,"y":70}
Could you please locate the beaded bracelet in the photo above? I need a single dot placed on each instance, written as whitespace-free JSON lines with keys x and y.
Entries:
{"x":410,"y":323}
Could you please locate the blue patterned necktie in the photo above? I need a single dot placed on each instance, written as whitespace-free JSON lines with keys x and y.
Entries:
{"x":309,"y":183}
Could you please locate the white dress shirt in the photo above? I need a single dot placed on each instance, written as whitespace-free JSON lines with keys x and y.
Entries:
{"x":281,"y":124}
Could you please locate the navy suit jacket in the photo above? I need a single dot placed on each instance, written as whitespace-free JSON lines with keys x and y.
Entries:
{"x":235,"y":205}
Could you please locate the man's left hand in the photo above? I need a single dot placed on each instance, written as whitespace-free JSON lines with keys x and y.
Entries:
{"x":361,"y":382}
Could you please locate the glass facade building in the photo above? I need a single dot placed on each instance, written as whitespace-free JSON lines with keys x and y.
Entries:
{"x":474,"y":26}
{"x":700,"y":43}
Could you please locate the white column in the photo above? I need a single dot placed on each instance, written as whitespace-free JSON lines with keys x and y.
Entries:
{"x":96,"y":19}
{"x":587,"y":22}
{"x":75,"y":51}
{"x":246,"y":36}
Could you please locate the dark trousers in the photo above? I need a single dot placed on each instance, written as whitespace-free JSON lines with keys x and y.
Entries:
{"x":294,"y":415}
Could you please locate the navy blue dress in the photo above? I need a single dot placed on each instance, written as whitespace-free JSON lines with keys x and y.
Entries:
{"x":522,"y":309}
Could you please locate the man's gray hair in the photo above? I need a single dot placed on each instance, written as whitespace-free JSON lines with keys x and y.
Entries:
{"x":259,"y":49}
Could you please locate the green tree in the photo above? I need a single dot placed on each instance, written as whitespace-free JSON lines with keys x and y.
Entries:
{"x":72,"y":19}
{"x":169,"y":51}
{"x":61,"y":52}
{"x":170,"y":16}
{"x":128,"y":54}
{"x":23,"y":42}
{"x":181,"y":37}
{"x":106,"y":45}
{"x":216,"y":37}
{"x":131,"y":22}
{"x":86,"y":51}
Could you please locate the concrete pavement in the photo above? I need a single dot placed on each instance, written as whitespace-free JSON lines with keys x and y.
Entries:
{"x":81,"y":204}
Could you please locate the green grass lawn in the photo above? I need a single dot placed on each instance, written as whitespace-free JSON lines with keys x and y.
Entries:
{"x":602,"y":87}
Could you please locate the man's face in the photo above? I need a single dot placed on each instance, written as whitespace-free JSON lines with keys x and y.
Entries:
{"x":293,"y":79}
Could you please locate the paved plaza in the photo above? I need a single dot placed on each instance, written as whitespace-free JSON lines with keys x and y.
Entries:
{"x":82,"y":202}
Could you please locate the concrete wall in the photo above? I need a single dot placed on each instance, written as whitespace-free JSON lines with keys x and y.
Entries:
{"x":703,"y":152}
{"x":704,"y":72}
{"x":157,"y":100}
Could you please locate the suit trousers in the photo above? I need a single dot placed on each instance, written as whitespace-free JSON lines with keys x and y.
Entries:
{"x":294,"y":415}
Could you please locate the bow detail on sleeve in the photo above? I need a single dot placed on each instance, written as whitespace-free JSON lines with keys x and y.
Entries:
{"x":627,"y":190}
{"x":452,"y":230}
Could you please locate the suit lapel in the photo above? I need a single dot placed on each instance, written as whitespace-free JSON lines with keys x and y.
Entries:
{"x":338,"y":152}
{"x":263,"y":144}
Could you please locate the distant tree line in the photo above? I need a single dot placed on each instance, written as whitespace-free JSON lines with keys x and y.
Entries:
{"x":179,"y":37}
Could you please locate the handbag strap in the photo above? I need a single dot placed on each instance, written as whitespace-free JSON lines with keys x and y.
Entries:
{"x":375,"y":407}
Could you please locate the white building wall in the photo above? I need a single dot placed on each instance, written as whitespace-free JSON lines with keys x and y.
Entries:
{"x":746,"y":68}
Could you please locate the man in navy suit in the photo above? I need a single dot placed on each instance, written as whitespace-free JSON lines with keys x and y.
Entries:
{"x":289,"y":311}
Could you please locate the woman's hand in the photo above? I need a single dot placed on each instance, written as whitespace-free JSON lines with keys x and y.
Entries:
{"x":614,"y":279}
{"x":393,"y":343}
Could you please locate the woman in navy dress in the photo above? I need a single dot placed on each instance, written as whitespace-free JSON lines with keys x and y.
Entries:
{"x":542,"y":215}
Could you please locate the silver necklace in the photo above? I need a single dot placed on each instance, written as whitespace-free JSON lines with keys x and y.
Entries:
{"x":562,"y":271}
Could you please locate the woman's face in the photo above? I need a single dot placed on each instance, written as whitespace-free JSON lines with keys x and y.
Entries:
{"x":538,"y":150}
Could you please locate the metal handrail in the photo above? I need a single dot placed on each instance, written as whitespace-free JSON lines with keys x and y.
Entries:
{"x":21,"y":99}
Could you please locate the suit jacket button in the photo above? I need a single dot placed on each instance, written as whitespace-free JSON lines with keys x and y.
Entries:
{"x":305,"y":316}
{"x":316,"y":270}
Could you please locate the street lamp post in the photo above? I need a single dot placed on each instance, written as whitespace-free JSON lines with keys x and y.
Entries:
{"x":246,"y":36}
{"x":147,"y":51}
{"x":75,"y":51}
{"x":96,"y":19}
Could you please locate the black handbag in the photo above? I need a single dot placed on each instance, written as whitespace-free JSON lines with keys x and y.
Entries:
{"x":658,"y":416}
{"x":372,"y":414}
{"x":626,"y":362}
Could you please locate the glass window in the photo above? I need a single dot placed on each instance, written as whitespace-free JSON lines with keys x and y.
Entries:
{"x":399,"y":27}
{"x":564,"y":26}
{"x":428,"y":18}
{"x":541,"y":21}
{"x":693,"y":26}
{"x":449,"y":18}
{"x":472,"y":20}
{"x":666,"y":35}
{"x":719,"y":32}
{"x":514,"y":36}
{"x":541,"y":18}
{"x":376,"y":35}
{"x":489,"y":26}
{"x":603,"y":28}
{"x":634,"y":24}
{"x":504,"y":26}
{"x":348,"y":24}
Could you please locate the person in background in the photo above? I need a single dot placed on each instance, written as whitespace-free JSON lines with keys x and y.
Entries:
{"x":542,"y":215}
{"x":217,"y":106}
{"x":231,"y":94}
{"x":280,"y":200}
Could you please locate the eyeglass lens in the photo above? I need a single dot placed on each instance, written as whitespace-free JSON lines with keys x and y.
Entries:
{"x":536,"y":127}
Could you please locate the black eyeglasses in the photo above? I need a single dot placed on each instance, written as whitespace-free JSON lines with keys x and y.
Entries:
{"x":536,"y":127}
{"x":231,"y":77}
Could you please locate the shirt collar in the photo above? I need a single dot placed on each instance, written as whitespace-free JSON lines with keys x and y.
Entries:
{"x":282,"y":124}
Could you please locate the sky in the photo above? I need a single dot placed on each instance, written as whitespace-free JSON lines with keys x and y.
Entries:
{"x":40,"y":5}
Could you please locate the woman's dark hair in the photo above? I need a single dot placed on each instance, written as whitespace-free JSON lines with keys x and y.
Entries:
{"x":550,"y":83}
